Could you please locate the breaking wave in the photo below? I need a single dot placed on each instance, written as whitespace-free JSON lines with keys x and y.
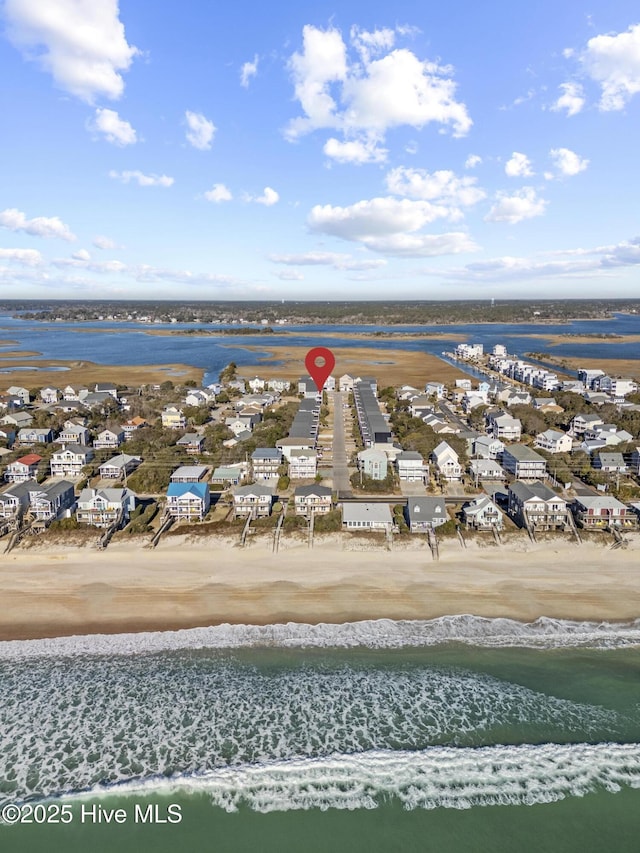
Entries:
{"x":543,"y":633}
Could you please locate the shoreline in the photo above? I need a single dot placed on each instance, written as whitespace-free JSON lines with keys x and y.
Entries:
{"x":78,"y":591}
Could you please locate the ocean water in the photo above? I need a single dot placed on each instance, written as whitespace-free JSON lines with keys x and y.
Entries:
{"x":452,"y":734}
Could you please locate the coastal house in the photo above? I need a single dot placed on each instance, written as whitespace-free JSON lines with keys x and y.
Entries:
{"x":487,"y":447}
{"x":554,"y":441}
{"x":49,"y":395}
{"x":104,"y":507}
{"x":191,"y":442}
{"x":119,"y":466}
{"x":482,"y":514}
{"x":601,"y":511}
{"x":189,"y":474}
{"x":610,"y":463}
{"x":373,"y":463}
{"x":72,"y":393}
{"x":23,"y":469}
{"x":188,"y":501}
{"x":424,"y":514}
{"x":537,"y":506}
{"x":229,"y":475}
{"x":73,"y":433}
{"x":22,"y":393}
{"x":108,"y":438}
{"x":130,"y":427}
{"x":290,"y":443}
{"x":411,"y":467}
{"x":302,"y":464}
{"x":70,"y":461}
{"x":312,"y":500}
{"x":173,"y":418}
{"x":307,"y":387}
{"x":253,"y":501}
{"x":256,"y":384}
{"x":547,"y":404}
{"x":581,"y":423}
{"x":505,"y":427}
{"x":265,"y":463}
{"x":435,"y":389}
{"x":486,"y":469}
{"x":523,"y":462}
{"x":345,"y":382}
{"x":280,"y":386}
{"x":367,"y":516}
{"x":17,"y":498}
{"x":447,"y":462}
{"x":200,"y":397}
{"x":17,"y":419}
{"x":635,"y":461}
{"x":96,"y":399}
{"x":472,"y":400}
{"x":7,"y":437}
{"x":31,"y":435}
{"x":52,"y":501}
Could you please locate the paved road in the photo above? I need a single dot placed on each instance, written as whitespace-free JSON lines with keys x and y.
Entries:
{"x":341,"y":483}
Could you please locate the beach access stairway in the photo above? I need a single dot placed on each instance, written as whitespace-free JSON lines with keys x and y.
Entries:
{"x":167,"y":522}
{"x":619,"y":540}
{"x":496,"y":534}
{"x":460,"y":535}
{"x":278,"y":529}
{"x":312,"y":522}
{"x":105,"y":536}
{"x":528,"y":526}
{"x":433,"y":544}
{"x":245,"y":531}
{"x":572,"y":527}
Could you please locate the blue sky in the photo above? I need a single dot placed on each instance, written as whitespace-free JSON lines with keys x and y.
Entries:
{"x":248,"y":151}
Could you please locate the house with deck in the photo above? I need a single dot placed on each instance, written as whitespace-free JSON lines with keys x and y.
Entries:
{"x":189,"y":474}
{"x":192,"y":443}
{"x":32,"y":435}
{"x":610,"y":463}
{"x":52,"y":501}
{"x":367,"y":516}
{"x":22,"y":393}
{"x":229,"y":475}
{"x":73,"y":433}
{"x":523,"y":462}
{"x":487,"y":447}
{"x":266,"y":462}
{"x":70,"y":460}
{"x":104,"y":507}
{"x":411,"y":467}
{"x":554,"y":441}
{"x":252,"y":501}
{"x":538,"y":506}
{"x":373,"y":463}
{"x":188,"y":501}
{"x":602,"y":511}
{"x":49,"y":395}
{"x":108,"y":438}
{"x":130,"y":427}
{"x":173,"y":418}
{"x":303,"y":464}
{"x":119,"y":467}
{"x":312,"y":500}
{"x":482,"y":514}
{"x":425,"y":514}
{"x":23,"y":469}
{"x":447,"y":462}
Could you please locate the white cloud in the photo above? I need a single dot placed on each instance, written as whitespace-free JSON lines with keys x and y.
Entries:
{"x":102,"y":242}
{"x":373,"y":94}
{"x":81,"y":255}
{"x":567,"y":162}
{"x":24,"y":257}
{"x":442,"y":186}
{"x":248,"y":70}
{"x":81,"y":43}
{"x":87,"y":264}
{"x":289,"y":275}
{"x":613,"y":61}
{"x":201,"y":130}
{"x":519,"y":166}
{"x":357,"y":151}
{"x":142,"y":179}
{"x":218,"y":192}
{"x":523,"y":204}
{"x":41,"y":226}
{"x":572,"y":99}
{"x":269,"y":197}
{"x":115,"y":130}
{"x":337,"y":260}
{"x":472,"y":161}
{"x":389,"y":225}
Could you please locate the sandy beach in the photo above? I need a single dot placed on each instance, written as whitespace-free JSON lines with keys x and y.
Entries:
{"x":65,"y":590}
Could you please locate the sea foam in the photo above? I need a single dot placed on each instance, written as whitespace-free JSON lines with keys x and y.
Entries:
{"x":543,"y":633}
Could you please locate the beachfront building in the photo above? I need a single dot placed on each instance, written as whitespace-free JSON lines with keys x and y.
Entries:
{"x":192,"y":443}
{"x":55,"y":500}
{"x":537,"y":506}
{"x":16,"y":498}
{"x":23,"y":469}
{"x":554,"y":441}
{"x":366,"y":516}
{"x":411,"y":467}
{"x":104,"y":507}
{"x":31,"y":435}
{"x":188,"y":501}
{"x":523,"y":462}
{"x":70,"y":461}
{"x":173,"y":418}
{"x":119,"y":466}
{"x":108,"y":439}
{"x":303,"y":464}
{"x":482,"y":514}
{"x":312,"y":500}
{"x":424,"y":514}
{"x":447,"y":462}
{"x":189,"y":474}
{"x":266,"y":462}
{"x":252,"y":501}
{"x":373,"y":463}
{"x":601,"y":511}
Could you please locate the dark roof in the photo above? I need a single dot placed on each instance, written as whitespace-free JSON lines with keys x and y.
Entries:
{"x":306,"y":491}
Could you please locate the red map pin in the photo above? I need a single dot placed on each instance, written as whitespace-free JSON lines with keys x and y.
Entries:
{"x":320,"y":361}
